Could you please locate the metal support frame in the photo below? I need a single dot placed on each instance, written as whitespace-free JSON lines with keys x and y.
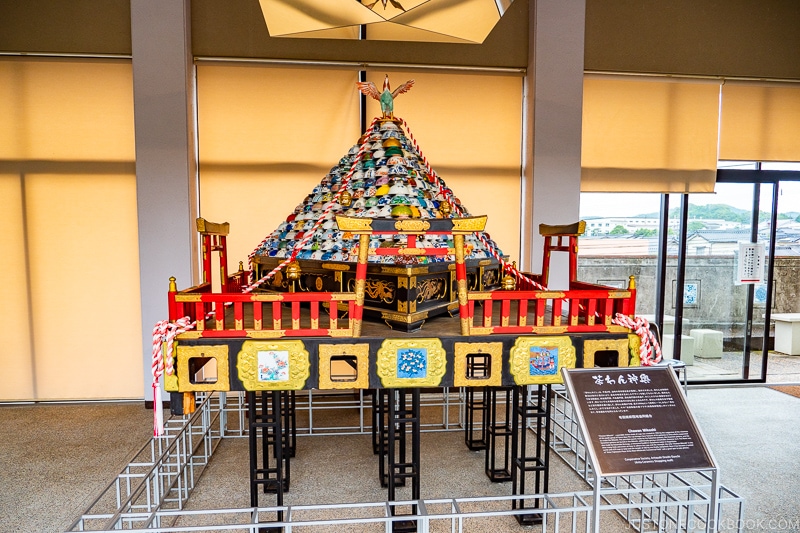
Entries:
{"x":378,"y":423}
{"x":269,"y":424}
{"x":381,"y":422}
{"x":531,"y":411}
{"x":289,"y":413}
{"x":403,"y":420}
{"x":475,"y":419}
{"x":150,"y":493}
{"x":702,"y":496}
{"x":162,"y":474}
{"x":498,"y":434}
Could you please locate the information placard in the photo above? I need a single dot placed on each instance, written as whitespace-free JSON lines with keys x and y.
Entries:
{"x":636,"y":420}
{"x":750,"y":265}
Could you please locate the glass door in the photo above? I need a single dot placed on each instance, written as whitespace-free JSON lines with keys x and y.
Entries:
{"x":782,"y":348}
{"x":719,"y":274}
{"x":711,"y":294}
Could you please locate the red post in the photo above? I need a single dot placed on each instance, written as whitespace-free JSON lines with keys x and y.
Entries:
{"x":172,"y":305}
{"x":522,"y":312}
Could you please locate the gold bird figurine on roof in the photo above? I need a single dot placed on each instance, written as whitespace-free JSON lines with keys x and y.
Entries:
{"x":387,"y":96}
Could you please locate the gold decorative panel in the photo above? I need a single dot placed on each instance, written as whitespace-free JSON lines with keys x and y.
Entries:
{"x":469,"y":224}
{"x":538,"y":360}
{"x":354,"y":224}
{"x":379,"y":289}
{"x":493,"y":350}
{"x":412,"y":225}
{"x":431,"y":289}
{"x":634,"y":342}
{"x":359,"y":351}
{"x":183,"y":368}
{"x":591,"y":347}
{"x":171,"y":383}
{"x":273,"y":365}
{"x":411,"y":363}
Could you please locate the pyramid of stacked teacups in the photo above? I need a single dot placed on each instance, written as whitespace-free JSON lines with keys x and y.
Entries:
{"x":390,"y":181}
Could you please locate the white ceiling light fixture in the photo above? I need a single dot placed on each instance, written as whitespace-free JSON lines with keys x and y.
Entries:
{"x":453,"y":21}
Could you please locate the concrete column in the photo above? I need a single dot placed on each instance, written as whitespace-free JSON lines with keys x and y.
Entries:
{"x":166,"y":167}
{"x":552,"y":127}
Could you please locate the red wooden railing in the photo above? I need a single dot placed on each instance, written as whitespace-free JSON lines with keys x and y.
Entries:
{"x":585,"y":307}
{"x":262,"y":315}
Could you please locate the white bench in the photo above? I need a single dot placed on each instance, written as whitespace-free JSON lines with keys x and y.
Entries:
{"x":787,"y":333}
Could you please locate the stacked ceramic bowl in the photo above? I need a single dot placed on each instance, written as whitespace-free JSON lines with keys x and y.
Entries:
{"x":389,"y":181}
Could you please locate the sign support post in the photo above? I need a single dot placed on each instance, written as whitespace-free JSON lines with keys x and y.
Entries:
{"x":635,"y":421}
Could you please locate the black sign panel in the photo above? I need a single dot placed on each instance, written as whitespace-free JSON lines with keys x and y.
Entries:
{"x":636,"y":420}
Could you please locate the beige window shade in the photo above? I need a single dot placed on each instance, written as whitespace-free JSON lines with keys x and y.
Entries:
{"x":267,"y":136}
{"x":469,"y":128}
{"x":69,"y":246}
{"x":649,"y":135}
{"x":760,"y":122}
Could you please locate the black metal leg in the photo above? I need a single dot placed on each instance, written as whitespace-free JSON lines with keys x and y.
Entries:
{"x":474,"y":406}
{"x":402,"y":420}
{"x":498,"y":434}
{"x":268,"y":416}
{"x":253,"y":448}
{"x":290,"y":421}
{"x":377,"y":419}
{"x":537,"y":415}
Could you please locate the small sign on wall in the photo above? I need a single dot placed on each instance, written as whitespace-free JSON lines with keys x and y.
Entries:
{"x":750,"y":264}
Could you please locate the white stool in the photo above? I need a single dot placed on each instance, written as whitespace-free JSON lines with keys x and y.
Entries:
{"x":707,"y":343}
{"x":687,"y":348}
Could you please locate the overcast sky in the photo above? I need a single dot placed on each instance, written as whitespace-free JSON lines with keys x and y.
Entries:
{"x":733,"y":194}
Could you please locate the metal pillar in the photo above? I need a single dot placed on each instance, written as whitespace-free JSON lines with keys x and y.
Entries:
{"x":475,"y":367}
{"x":381,"y":420}
{"x":536,"y":415}
{"x":378,"y":421}
{"x":498,"y":434}
{"x":289,"y":414}
{"x":472,"y":407}
{"x":398,"y":463}
{"x":269,"y":423}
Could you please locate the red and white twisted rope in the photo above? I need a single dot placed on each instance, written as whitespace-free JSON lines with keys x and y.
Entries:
{"x":164,"y":332}
{"x":321,"y":219}
{"x":455,"y":203}
{"x":649,"y":349}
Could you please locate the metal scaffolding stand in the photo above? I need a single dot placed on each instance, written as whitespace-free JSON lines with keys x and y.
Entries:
{"x":474,"y":405}
{"x":150,"y":493}
{"x":531,"y":412}
{"x":477,"y":365}
{"x":271,"y":425}
{"x":402,"y":419}
{"x":498,"y":433}
{"x":672,"y":501}
{"x":156,"y":484}
{"x":381,"y":400}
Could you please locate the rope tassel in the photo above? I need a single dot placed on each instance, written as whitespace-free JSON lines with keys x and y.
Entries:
{"x":649,"y":349}
{"x":163,"y":361}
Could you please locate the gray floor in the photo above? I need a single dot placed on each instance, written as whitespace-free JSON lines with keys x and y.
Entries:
{"x":782,"y":368}
{"x":55,"y":458}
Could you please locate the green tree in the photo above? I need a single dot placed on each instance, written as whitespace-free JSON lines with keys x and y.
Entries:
{"x":618,"y":230}
{"x":695,"y":225}
{"x":644,"y":232}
